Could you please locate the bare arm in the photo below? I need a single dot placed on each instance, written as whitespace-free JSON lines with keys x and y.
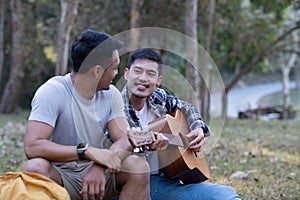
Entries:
{"x":117,"y":129}
{"x":37,"y":145}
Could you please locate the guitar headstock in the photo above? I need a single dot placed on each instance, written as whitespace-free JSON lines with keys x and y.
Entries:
{"x":139,"y":139}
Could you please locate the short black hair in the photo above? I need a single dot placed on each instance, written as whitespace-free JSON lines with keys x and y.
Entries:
{"x":93,"y":48}
{"x":145,"y":53}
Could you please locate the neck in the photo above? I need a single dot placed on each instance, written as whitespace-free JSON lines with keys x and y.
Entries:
{"x":137,"y":102}
{"x":83,"y":85}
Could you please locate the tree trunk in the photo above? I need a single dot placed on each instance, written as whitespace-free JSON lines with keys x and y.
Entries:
{"x":205,"y":88}
{"x":297,"y":76}
{"x":11,"y":94}
{"x":2,"y":17}
{"x":286,"y":68}
{"x":134,"y":19}
{"x":68,"y":15}
{"x":192,"y":52}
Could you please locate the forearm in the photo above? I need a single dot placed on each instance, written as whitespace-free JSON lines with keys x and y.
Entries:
{"x":193,"y":117}
{"x":122,"y":148}
{"x":42,"y":148}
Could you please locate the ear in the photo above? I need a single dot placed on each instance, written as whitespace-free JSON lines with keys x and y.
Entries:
{"x":126,"y":71}
{"x":98,"y":71}
{"x":159,"y":80}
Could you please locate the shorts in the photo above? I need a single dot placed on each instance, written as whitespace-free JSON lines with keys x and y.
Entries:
{"x":72,"y":174}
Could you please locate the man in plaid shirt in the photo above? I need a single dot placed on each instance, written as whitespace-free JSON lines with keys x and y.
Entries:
{"x":144,"y":102}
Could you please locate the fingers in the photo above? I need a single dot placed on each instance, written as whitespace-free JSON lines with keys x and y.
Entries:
{"x":93,"y":183}
{"x":84,"y":191}
{"x":160,"y":143}
{"x":99,"y":192}
{"x":198,"y":141}
{"x":113,"y":171}
{"x":197,"y":146}
{"x":93,"y":192}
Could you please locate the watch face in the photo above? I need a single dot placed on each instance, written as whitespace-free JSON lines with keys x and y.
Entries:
{"x":81,"y":146}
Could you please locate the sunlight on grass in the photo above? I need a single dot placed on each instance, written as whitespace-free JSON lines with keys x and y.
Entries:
{"x":284,"y":156}
{"x":274,"y":155}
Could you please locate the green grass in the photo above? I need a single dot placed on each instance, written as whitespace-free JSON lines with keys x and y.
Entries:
{"x":12,"y":129}
{"x":267,"y":152}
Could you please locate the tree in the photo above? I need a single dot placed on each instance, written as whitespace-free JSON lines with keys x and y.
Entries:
{"x":11,"y":94}
{"x":245,"y":37}
{"x":287,"y":62}
{"x":68,"y":15}
{"x":192,"y":75}
{"x":205,"y":88}
{"x":2,"y":17}
{"x":134,"y":19}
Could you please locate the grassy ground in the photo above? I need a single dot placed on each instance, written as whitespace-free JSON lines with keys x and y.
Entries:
{"x":260,"y":159}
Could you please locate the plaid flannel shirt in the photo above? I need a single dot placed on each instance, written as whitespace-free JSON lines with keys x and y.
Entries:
{"x":161,"y":103}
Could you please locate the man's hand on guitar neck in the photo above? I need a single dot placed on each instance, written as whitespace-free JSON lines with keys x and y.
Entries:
{"x":198,"y":139}
{"x":161,"y":142}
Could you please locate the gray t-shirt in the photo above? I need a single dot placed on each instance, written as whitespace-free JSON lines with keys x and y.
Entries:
{"x":74,"y":118}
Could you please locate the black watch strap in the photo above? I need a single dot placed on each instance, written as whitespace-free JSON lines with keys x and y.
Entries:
{"x":81,"y":148}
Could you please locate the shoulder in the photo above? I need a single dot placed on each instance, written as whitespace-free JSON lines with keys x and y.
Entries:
{"x":162,"y":95}
{"x":159,"y":92}
{"x":116,"y":94}
{"x":54,"y":91}
{"x":113,"y":88}
{"x":111,"y":94}
{"x":56,"y":83}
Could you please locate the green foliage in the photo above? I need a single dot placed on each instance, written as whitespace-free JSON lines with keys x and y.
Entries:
{"x":275,"y":6}
{"x":241,"y":30}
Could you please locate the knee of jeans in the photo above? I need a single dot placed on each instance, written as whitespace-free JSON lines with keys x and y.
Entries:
{"x":230,"y":193}
{"x":38,"y":165}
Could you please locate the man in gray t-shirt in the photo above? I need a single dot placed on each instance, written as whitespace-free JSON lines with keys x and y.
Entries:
{"x":65,"y":138}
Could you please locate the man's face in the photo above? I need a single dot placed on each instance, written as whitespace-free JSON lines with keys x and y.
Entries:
{"x":142,"y":77}
{"x":110,"y":73}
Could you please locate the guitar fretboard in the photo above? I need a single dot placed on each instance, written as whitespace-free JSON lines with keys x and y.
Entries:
{"x":174,"y":140}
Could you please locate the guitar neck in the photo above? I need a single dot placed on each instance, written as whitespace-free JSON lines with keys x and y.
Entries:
{"x":177,"y":140}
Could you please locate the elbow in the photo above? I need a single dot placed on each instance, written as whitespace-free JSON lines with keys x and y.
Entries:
{"x":28,"y":153}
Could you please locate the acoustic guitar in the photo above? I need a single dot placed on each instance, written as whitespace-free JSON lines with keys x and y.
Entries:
{"x":179,"y":162}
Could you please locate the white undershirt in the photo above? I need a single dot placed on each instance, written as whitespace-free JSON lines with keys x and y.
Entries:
{"x":145,"y":115}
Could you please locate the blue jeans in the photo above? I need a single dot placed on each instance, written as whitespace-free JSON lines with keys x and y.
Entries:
{"x":166,"y":189}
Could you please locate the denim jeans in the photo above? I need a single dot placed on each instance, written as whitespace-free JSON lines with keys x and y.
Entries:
{"x":166,"y":189}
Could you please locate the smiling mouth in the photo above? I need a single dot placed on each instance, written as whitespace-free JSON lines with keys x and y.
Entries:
{"x":143,"y":85}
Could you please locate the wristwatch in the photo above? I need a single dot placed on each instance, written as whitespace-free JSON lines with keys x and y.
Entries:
{"x":205,"y":129}
{"x":81,"y":147}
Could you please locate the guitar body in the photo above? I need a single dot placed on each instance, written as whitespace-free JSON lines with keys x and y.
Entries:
{"x":186,"y":166}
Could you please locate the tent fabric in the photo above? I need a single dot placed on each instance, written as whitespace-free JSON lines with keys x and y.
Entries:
{"x":30,"y":186}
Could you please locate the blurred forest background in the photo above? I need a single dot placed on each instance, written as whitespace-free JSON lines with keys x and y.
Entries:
{"x":247,"y":39}
{"x":251,"y":41}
